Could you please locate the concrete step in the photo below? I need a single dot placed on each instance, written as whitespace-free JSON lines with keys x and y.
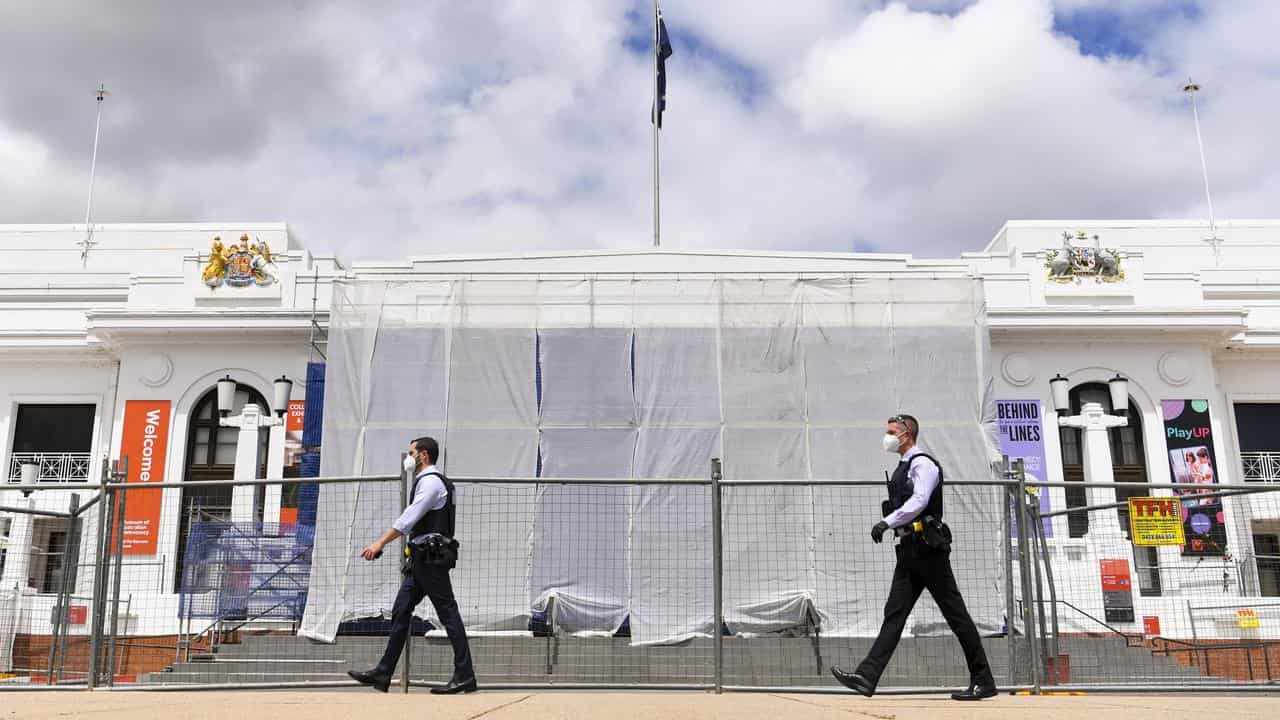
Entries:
{"x":765,"y":661}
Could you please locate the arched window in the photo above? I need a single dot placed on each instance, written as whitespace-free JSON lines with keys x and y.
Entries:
{"x":1128,"y":464}
{"x":211,"y":455}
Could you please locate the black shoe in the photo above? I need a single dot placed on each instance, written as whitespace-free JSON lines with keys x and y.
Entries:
{"x":976,"y":691}
{"x":854,"y":682}
{"x":455,"y":686}
{"x":379,"y":681}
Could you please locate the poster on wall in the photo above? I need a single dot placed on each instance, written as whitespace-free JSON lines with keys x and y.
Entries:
{"x":1189,"y":440}
{"x":1117,"y":591}
{"x":145,"y":442}
{"x":293,"y":433}
{"x":1022,"y":436}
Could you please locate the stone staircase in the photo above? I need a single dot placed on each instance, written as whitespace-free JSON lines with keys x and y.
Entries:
{"x":920,"y":662}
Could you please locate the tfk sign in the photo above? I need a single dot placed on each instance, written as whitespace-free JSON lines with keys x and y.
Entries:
{"x":145,"y":441}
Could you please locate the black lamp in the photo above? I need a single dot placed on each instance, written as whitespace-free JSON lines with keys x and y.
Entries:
{"x":1061,"y":395}
{"x":226,"y":395}
{"x":1119,"y":386}
{"x":283,"y":388}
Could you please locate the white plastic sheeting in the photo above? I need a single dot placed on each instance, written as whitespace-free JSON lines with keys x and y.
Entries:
{"x":619,"y":377}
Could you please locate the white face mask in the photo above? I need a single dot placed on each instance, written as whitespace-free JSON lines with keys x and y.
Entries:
{"x":890,"y":443}
{"x":409,"y":463}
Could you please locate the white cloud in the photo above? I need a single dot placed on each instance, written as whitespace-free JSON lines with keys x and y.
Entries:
{"x":515,"y":125}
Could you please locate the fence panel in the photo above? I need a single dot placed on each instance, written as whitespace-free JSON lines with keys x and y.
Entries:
{"x":592,"y":583}
{"x":1121,"y":613}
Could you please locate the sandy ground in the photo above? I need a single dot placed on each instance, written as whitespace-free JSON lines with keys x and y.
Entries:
{"x":365,"y":704}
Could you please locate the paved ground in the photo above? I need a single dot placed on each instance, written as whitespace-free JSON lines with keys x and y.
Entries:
{"x":368,"y":705}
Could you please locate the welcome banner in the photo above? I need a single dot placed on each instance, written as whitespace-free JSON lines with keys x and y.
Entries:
{"x":145,"y":442}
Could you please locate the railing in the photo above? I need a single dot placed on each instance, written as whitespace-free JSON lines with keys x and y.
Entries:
{"x":1260,"y":466}
{"x":65,"y":467}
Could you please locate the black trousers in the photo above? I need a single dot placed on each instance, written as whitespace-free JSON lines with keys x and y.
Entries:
{"x":431,"y":582}
{"x":921,"y":567}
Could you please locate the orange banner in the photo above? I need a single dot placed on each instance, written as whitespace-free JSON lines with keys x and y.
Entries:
{"x":145,"y":441}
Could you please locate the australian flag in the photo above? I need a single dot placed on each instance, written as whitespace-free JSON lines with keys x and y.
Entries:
{"x":664,"y":51}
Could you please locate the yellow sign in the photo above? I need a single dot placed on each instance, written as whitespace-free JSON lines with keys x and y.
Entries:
{"x":1247,"y":618}
{"x":1155,"y":521}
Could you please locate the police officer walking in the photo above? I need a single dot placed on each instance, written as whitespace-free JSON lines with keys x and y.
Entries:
{"x":914,"y":514}
{"x":428,"y":522}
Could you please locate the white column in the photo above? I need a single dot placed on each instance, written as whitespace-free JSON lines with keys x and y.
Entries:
{"x":275,"y":470}
{"x":1104,"y":525}
{"x":242,"y":509}
{"x":17,"y":562}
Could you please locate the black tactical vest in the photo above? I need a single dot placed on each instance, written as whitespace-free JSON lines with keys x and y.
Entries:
{"x":900,"y":487}
{"x":435,"y":521}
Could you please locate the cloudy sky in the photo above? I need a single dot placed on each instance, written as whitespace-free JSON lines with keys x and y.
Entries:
{"x":378,"y":130}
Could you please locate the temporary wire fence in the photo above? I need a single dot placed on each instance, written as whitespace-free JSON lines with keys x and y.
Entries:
{"x":582,"y":583}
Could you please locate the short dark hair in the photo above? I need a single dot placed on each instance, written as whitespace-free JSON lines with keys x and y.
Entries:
{"x":429,"y":446}
{"x":909,"y":422}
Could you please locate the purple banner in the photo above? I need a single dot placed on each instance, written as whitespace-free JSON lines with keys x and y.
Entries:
{"x":1022,"y":436}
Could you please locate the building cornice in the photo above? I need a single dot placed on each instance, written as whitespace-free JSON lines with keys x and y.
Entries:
{"x":1218,"y":324}
{"x":115,"y":327}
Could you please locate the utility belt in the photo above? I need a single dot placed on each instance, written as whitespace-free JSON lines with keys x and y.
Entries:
{"x":432,"y":549}
{"x":928,"y":530}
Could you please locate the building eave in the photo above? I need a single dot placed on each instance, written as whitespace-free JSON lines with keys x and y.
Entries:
{"x":115,"y":327}
{"x":1210,"y":324}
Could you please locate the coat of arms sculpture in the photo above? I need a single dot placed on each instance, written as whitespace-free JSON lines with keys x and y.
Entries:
{"x":240,"y":265}
{"x":1074,"y":262}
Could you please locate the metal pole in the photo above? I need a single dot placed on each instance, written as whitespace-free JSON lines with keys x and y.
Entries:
{"x":406,"y":477}
{"x":1191,"y":89}
{"x":657,"y":206}
{"x":1028,"y":602}
{"x":1037,"y":526}
{"x":99,"y":575}
{"x":58,"y":620}
{"x":93,"y":167}
{"x":121,"y":499}
{"x":717,"y":573}
{"x":70,"y":559}
{"x":1006,"y":534}
{"x":1035,"y":568}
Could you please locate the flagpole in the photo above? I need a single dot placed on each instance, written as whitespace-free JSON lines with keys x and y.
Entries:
{"x":657,"y":110}
{"x":93,"y":167}
{"x":1191,"y":88}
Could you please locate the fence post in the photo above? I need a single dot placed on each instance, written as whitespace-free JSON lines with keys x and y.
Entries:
{"x":58,"y":620}
{"x":1037,"y":527}
{"x":717,"y":574}
{"x":1033,"y":558}
{"x":406,"y":477}
{"x":70,"y":565}
{"x":121,"y":497}
{"x":99,"y":574}
{"x":1006,"y":474}
{"x":1028,"y":600}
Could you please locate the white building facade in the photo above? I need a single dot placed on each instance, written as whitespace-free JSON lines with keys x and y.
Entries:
{"x":86,"y":328}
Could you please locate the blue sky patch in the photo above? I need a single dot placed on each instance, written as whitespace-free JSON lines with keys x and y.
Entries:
{"x":1106,"y":32}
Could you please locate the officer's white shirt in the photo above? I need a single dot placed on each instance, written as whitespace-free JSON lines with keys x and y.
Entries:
{"x":429,"y":494}
{"x":924,"y":479}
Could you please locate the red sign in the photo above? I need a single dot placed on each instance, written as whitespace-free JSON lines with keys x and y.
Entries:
{"x":77,"y":614}
{"x":145,"y":441}
{"x":1151,"y":625}
{"x":1115,"y":576}
{"x":293,"y":432}
{"x":297,"y":409}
